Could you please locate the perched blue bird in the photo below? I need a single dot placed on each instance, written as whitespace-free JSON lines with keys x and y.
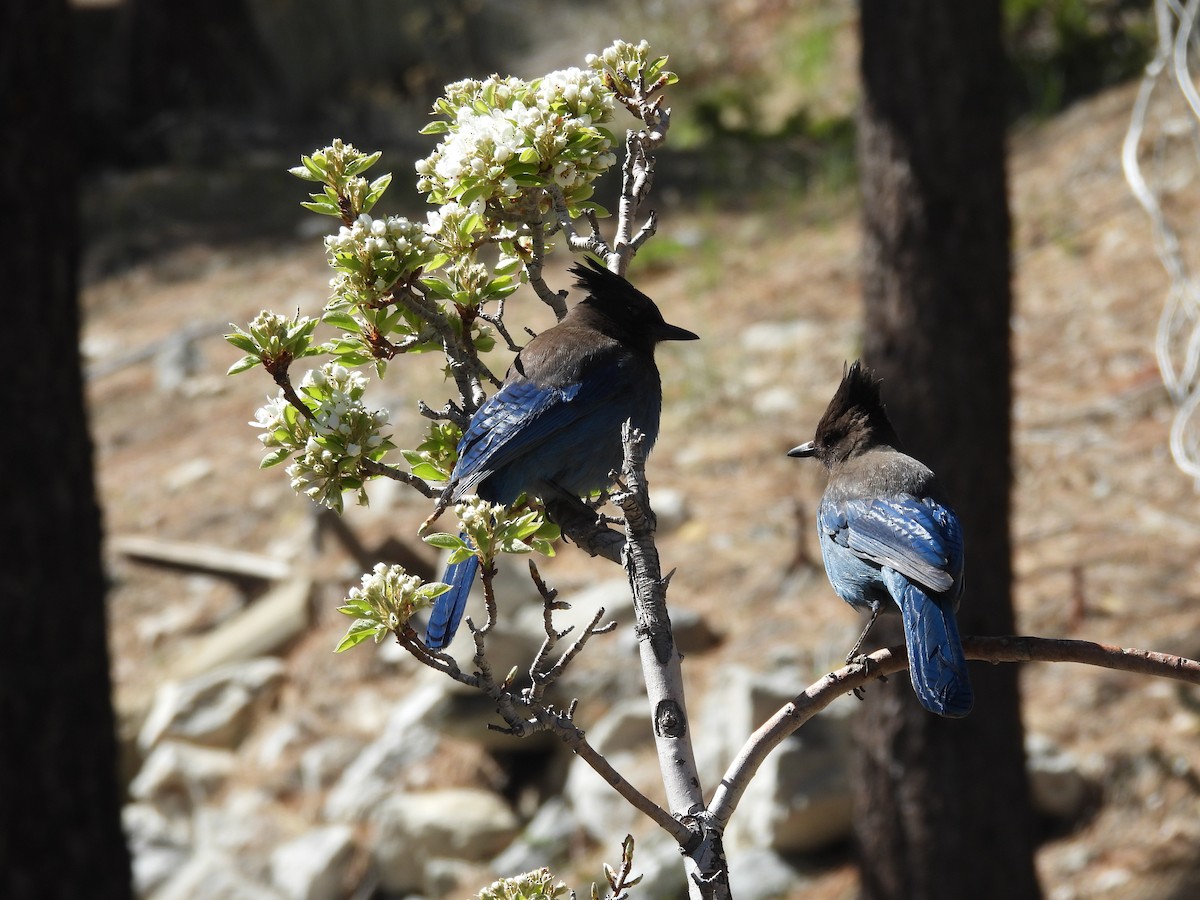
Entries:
{"x":554,"y":426}
{"x":887,"y":535}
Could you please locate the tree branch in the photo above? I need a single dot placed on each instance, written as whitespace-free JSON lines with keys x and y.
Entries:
{"x":580,"y":523}
{"x":570,"y":735}
{"x":663,"y":674}
{"x":894,"y":659}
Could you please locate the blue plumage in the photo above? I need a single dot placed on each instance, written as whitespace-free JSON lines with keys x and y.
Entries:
{"x":555,"y":424}
{"x":887,"y":537}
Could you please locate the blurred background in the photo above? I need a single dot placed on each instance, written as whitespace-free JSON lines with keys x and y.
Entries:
{"x":257,"y":764}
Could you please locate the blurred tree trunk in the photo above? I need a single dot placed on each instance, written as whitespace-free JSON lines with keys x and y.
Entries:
{"x":943,"y":806}
{"x":193,"y":55}
{"x":60,"y":814}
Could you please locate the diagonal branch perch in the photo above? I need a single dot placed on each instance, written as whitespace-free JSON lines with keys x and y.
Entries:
{"x":893,"y":659}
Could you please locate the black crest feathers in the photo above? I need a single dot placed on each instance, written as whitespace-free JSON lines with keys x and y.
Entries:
{"x":633,"y":313}
{"x":612,"y":294}
{"x":855,"y":418}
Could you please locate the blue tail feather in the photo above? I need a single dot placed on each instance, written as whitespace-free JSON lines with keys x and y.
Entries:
{"x":448,"y":608}
{"x":936,"y":663}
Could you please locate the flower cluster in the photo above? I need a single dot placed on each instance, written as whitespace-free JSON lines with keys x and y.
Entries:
{"x":386,"y":601}
{"x":493,"y":528}
{"x":477,"y":516}
{"x":540,"y":884}
{"x":504,"y":136}
{"x":372,"y":255}
{"x":330,"y":444}
{"x":339,"y":167}
{"x":628,"y":69}
{"x":272,"y":341}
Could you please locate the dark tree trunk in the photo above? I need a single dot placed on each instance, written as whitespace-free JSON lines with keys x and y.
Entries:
{"x":60,"y":826}
{"x":194,"y":55}
{"x":943,"y":806}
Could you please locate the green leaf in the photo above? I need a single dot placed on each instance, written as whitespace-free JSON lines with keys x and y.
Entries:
{"x":246,"y":362}
{"x":469,"y":196}
{"x":242,"y":341}
{"x":342,"y":320}
{"x":360,"y":165}
{"x":446,"y":541}
{"x":357,"y":633}
{"x":431,"y":590}
{"x":322,"y":206}
{"x":378,"y":186}
{"x":429,"y":472}
{"x":302,"y":172}
{"x":438,"y":127}
{"x":318,"y":171}
{"x":275,"y":457}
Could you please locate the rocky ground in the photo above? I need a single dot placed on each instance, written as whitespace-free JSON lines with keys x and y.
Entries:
{"x":261,"y":764}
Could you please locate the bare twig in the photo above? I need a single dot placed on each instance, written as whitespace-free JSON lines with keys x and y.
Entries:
{"x":467,"y":368}
{"x":375,"y":468}
{"x":593,"y":243}
{"x":570,"y":735}
{"x":496,"y":320}
{"x":556,"y":300}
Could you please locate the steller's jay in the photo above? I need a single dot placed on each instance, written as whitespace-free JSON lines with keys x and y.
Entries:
{"x":554,"y":426}
{"x":887,"y":535}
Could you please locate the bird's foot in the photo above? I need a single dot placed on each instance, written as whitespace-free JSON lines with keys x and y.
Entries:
{"x":861,"y":662}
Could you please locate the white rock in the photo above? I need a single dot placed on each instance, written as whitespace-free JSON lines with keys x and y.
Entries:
{"x":1058,"y":787}
{"x":670,"y":507}
{"x":799,"y":800}
{"x":411,"y":828}
{"x":449,"y":878}
{"x":245,"y":825}
{"x":181,"y":771}
{"x":324,"y":761}
{"x":757,"y":874}
{"x":313,"y":866}
{"x":215,"y":709}
{"x":776,"y":337}
{"x":158,"y":844}
{"x":625,"y":738}
{"x":376,"y":771}
{"x":274,"y":746}
{"x":209,"y":876}
{"x":544,"y":841}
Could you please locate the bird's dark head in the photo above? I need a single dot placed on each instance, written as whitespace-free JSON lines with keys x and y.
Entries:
{"x":615,"y":306}
{"x":854,"y":421}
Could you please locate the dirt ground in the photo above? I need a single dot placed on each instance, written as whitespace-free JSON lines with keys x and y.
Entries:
{"x":1106,"y":528}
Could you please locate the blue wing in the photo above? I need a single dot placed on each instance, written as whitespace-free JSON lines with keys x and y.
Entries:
{"x":913,"y":548}
{"x":510,"y":423}
{"x":526,"y":433}
{"x":917,"y":537}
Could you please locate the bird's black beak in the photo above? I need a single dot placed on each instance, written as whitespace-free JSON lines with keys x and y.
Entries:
{"x":809,"y":449}
{"x":667,"y":332}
